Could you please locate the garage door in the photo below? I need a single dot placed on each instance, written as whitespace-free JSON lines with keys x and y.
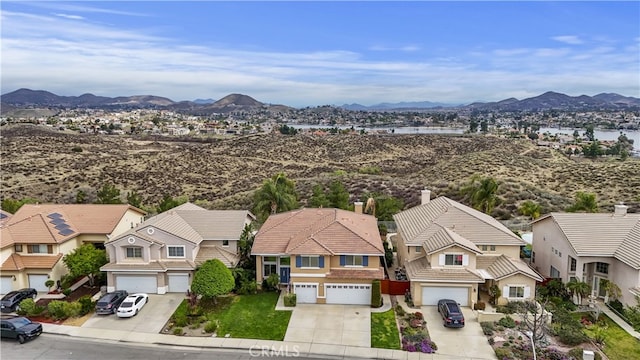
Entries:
{"x":431,"y":295}
{"x":37,"y":282}
{"x":137,"y":284}
{"x":352,"y":294}
{"x":305,"y":293}
{"x":178,"y":283}
{"x":6,"y":284}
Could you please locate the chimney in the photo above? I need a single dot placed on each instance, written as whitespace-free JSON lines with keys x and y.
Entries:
{"x":426,"y":196}
{"x":620,"y":210}
{"x":358,"y":207}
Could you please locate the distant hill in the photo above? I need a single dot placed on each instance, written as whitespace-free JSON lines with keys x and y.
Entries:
{"x":398,"y":106}
{"x":204,"y":101}
{"x":553,"y":100}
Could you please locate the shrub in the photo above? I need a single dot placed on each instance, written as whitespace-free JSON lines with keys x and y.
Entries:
{"x":181,"y":320}
{"x":617,"y":306}
{"x":76,"y":149}
{"x":29,"y":307}
{"x":66,"y":292}
{"x":271,"y":282}
{"x":59,"y":310}
{"x":376,"y":295}
{"x":49,"y":283}
{"x":479,"y":305}
{"x":178,"y":331}
{"x":290,"y":299}
{"x":247,"y":287}
{"x":399,"y":310}
{"x":572,"y":336}
{"x":86,"y":304}
{"x":211,"y":327}
{"x":491,"y":340}
{"x":419,"y":315}
{"x":502,"y":353}
{"x":507,"y":322}
{"x":487,"y":328}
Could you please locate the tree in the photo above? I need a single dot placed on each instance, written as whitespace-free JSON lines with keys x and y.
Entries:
{"x":531,"y":209}
{"x":168,"y":202}
{"x":108,"y":194}
{"x":81,"y":197}
{"x":579,"y":289}
{"x":585,"y":202}
{"x":277,"y":194}
{"x":318,"y":198}
{"x":12,"y":206}
{"x":212,"y":279}
{"x":535,"y":320}
{"x":85,"y":261}
{"x":481,"y":193}
{"x":592,"y":150}
{"x":588,"y":132}
{"x":338,"y":196}
{"x":245,"y":243}
{"x":134,"y":199}
{"x":384,"y":206}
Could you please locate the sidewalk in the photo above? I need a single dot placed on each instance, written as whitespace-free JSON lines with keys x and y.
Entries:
{"x":626,"y":327}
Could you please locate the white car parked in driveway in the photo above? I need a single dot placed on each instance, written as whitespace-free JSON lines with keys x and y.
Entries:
{"x":132,"y":304}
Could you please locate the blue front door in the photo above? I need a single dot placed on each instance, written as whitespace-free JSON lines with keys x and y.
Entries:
{"x":284,"y":275}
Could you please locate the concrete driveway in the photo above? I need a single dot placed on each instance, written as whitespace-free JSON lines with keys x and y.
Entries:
{"x":467,"y":342}
{"x":330,"y":324}
{"x":150,"y":319}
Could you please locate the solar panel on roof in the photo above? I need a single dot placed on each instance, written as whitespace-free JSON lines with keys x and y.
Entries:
{"x":58,"y":221}
{"x":65,"y":232}
{"x":54,"y":216}
{"x":62,"y":226}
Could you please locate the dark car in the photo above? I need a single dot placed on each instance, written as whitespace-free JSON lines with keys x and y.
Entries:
{"x":9,"y":303}
{"x":451,"y":313}
{"x":108,"y":303}
{"x":19,"y":328}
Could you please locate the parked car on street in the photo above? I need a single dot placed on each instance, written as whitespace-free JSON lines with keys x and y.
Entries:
{"x":132,"y":305}
{"x":451,"y":313}
{"x":20,"y":328}
{"x":109,"y":302}
{"x":11,"y":301}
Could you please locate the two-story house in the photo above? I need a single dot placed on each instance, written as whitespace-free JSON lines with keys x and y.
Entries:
{"x":325,"y":255}
{"x":161,"y":254}
{"x":34,"y":239}
{"x":590,"y":248}
{"x":451,"y":251}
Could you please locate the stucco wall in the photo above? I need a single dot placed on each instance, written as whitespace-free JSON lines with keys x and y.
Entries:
{"x":434,"y":258}
{"x":516,"y":280}
{"x":626,"y":278}
{"x":130,"y":220}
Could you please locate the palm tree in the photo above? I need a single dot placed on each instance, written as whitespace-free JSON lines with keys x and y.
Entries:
{"x":277,"y":194}
{"x":585,"y":202}
{"x":370,"y":207}
{"x":579,"y":289}
{"x":482,"y":193}
{"x":530,"y":208}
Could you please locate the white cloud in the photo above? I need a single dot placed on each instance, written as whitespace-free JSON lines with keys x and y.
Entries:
{"x":568,"y":39}
{"x":67,"y":16}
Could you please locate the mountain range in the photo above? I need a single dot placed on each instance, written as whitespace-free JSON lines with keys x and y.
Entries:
{"x":26,"y":98}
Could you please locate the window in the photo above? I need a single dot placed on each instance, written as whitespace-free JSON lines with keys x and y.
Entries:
{"x":572,"y":264}
{"x":40,"y":249}
{"x":134,"y":252}
{"x":488,"y":248}
{"x":559,"y":253}
{"x":602,"y":268}
{"x":285,"y":261}
{"x":484,"y":248}
{"x":269,"y":266}
{"x":18,"y":247}
{"x":225,"y":243}
{"x":418,"y":249}
{"x":453,"y":259}
{"x":554,"y":273}
{"x":492,"y":248}
{"x":516,"y":291}
{"x":353,"y":260}
{"x":175,"y":251}
{"x":309,"y":261}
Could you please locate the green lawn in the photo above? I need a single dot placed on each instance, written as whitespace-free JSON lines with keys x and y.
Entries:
{"x":251,"y":317}
{"x":384,"y":331}
{"x":619,"y":345}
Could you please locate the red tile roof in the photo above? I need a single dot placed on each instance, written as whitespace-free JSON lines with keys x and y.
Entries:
{"x":16,"y":262}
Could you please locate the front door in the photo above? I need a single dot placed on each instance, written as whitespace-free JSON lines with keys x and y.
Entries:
{"x":599,"y":288}
{"x":284,"y":274}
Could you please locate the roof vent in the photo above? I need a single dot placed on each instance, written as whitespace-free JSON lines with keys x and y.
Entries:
{"x":620,"y":210}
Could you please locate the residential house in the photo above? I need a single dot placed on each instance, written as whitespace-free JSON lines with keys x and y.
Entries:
{"x":161,"y":254}
{"x":325,"y":255}
{"x":451,"y":251}
{"x":34,"y":239}
{"x":590,"y":248}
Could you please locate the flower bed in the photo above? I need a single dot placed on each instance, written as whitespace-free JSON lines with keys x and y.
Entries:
{"x":414,"y":333}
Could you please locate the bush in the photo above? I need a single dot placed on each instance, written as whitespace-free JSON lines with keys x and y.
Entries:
{"x":211,"y":327}
{"x":290,"y":299}
{"x":487,"y":328}
{"x":49,"y":283}
{"x":59,"y":310}
{"x":491,"y":341}
{"x":479,"y":305}
{"x":617,"y":306}
{"x":507,"y":322}
{"x":181,"y":320}
{"x":502,"y":353}
{"x":247,"y":287}
{"x":76,"y":149}
{"x":271,"y":282}
{"x":399,"y":310}
{"x":29,"y":307}
{"x":86,"y":304}
{"x":376,"y":295}
{"x":66,"y":292}
{"x":572,"y":336}
{"x":178,"y":331}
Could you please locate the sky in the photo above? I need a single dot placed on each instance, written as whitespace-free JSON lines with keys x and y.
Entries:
{"x":303,"y":53}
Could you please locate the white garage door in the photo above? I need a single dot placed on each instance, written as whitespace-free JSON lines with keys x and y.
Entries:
{"x":305,"y":293}
{"x":6,"y":284}
{"x":137,"y":284}
{"x":37,"y":282}
{"x":431,"y":295}
{"x":178,"y":283}
{"x":352,"y":294}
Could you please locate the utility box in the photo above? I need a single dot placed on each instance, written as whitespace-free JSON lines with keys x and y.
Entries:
{"x":588,"y":355}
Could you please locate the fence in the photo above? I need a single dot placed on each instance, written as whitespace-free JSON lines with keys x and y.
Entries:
{"x":394,"y":287}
